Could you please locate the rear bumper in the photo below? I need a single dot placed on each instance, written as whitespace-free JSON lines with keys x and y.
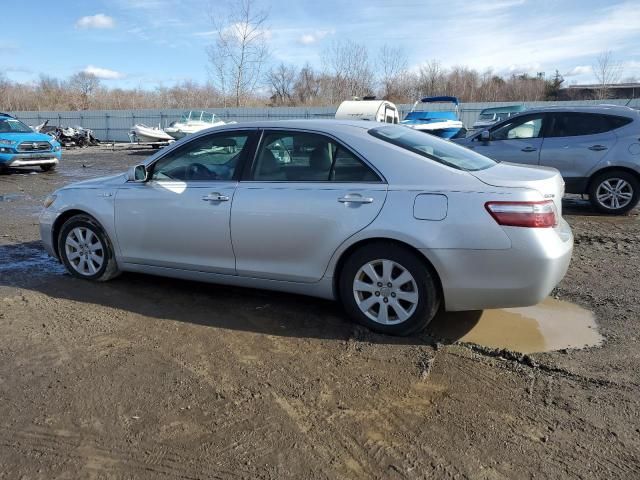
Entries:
{"x":520,"y":276}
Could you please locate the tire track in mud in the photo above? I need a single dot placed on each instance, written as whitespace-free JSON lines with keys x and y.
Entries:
{"x":83,"y":452}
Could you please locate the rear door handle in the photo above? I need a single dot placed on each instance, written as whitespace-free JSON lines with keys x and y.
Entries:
{"x":529,"y":149}
{"x":215,"y":197}
{"x":355,"y":198}
{"x":597,"y":148}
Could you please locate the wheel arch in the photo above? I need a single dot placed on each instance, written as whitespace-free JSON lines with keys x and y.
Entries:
{"x":611,"y":168}
{"x":60,"y":221}
{"x":337,"y":271}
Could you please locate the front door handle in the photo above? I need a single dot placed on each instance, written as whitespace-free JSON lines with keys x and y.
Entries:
{"x":215,"y":197}
{"x":529,"y":149}
{"x":355,"y":198}
{"x":597,"y":148}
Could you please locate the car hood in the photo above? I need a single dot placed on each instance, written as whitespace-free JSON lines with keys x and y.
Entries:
{"x":100,"y":182}
{"x":545,"y":180}
{"x":27,"y":137}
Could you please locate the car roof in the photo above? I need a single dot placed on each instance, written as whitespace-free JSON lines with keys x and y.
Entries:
{"x":329,"y":126}
{"x":603,"y":108}
{"x":313,"y":124}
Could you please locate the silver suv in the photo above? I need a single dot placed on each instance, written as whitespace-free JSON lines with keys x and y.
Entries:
{"x":596,"y":149}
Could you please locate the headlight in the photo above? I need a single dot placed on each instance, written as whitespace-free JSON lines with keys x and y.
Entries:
{"x":56,"y":148}
{"x":5,"y":150}
{"x":49,"y":201}
{"x":4,"y":141}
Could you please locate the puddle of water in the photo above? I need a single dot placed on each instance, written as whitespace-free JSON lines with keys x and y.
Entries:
{"x":10,"y":197}
{"x":20,"y":258}
{"x":549,"y":326}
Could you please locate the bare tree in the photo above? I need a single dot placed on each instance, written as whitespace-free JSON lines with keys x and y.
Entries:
{"x":307,"y":85}
{"x":431,"y":78}
{"x":240,"y":51}
{"x":281,"y":83}
{"x":84,"y":85}
{"x":607,"y":72}
{"x":393,"y":65}
{"x":348,"y":63}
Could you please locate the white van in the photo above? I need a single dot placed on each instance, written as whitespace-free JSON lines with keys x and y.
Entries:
{"x":373,"y":110}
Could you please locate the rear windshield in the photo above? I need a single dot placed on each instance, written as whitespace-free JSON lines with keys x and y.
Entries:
{"x":433,"y":148}
{"x":11,"y":125}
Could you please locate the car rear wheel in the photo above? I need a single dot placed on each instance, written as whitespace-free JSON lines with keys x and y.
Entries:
{"x":85,"y":249}
{"x":47,"y":168}
{"x":388,"y":289}
{"x":615,"y":192}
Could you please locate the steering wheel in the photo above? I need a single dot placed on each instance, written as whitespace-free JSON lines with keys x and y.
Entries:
{"x":197,"y":171}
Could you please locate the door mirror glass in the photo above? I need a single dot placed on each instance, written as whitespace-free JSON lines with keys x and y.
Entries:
{"x":137,"y":174}
{"x":485,"y":136}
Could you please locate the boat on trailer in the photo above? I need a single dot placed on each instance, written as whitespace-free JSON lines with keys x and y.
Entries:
{"x":192,"y":122}
{"x":142,"y":133}
{"x":441,"y":123}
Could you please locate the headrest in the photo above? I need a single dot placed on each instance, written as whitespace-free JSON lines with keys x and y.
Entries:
{"x":319,"y":159}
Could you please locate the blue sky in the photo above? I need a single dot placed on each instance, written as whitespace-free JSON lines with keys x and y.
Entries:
{"x":147,"y":43}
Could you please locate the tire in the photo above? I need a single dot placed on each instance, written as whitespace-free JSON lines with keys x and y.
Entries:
{"x":358,"y":289}
{"x":83,"y":234}
{"x":47,"y":168}
{"x":624,"y":183}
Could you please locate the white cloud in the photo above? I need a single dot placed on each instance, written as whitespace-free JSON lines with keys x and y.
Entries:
{"x":579,"y":70}
{"x":103,"y":73}
{"x":487,"y":41}
{"x":99,"y":20}
{"x":313,"y":37}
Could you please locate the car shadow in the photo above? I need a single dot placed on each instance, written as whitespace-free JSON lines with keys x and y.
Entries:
{"x":28,"y":267}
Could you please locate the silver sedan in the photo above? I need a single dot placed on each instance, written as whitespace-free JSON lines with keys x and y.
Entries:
{"x":393,"y":223}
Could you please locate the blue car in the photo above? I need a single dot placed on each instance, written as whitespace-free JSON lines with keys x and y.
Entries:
{"x":20,"y":146}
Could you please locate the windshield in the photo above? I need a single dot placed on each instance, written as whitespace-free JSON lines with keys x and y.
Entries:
{"x":433,"y":148}
{"x":11,"y":125}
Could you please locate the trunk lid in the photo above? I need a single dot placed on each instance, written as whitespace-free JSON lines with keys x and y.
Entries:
{"x":545,"y":180}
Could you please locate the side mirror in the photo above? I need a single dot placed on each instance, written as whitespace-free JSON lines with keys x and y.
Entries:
{"x":485,"y":136}
{"x":137,"y":174}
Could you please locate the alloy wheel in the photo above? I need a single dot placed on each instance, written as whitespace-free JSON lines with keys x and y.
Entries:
{"x":385,"y":292}
{"x":85,"y":251}
{"x":614,"y":193}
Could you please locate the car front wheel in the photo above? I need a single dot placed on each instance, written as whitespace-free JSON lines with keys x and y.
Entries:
{"x":615,"y":192}
{"x":388,"y":289}
{"x":85,"y":250}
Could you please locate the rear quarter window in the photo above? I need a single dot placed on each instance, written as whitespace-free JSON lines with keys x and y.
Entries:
{"x":432,"y":148}
{"x":573,"y":124}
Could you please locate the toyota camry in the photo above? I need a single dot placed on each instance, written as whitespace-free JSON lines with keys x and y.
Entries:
{"x":393,"y":223}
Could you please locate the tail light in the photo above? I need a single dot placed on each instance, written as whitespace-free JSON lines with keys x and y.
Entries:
{"x":524,"y":214}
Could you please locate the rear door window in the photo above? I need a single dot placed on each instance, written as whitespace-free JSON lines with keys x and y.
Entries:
{"x":307,"y":157}
{"x":573,"y":124}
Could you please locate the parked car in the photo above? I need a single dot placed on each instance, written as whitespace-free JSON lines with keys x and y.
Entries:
{"x":392,"y":222}
{"x":493,"y":115}
{"x":596,"y":149}
{"x":21,"y":146}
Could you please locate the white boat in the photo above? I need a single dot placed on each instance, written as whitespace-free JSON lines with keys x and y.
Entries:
{"x":192,"y":122}
{"x":145,"y":134}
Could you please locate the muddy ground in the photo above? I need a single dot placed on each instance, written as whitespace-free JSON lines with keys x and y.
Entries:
{"x":145,"y":377}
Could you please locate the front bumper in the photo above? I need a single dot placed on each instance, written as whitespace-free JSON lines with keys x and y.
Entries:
{"x":47,"y":217}
{"x":29,"y":160}
{"x":520,"y":276}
